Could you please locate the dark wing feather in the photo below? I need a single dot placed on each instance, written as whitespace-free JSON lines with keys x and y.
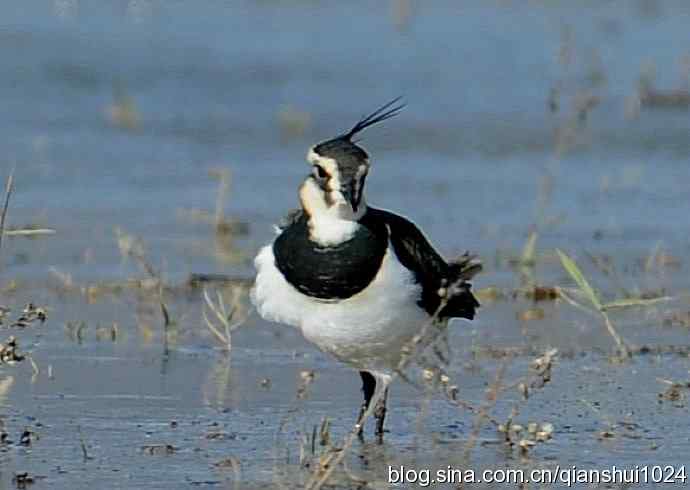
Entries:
{"x":415,"y":253}
{"x":461,"y":302}
{"x":411,"y":246}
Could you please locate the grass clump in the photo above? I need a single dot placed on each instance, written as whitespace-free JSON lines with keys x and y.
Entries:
{"x":224,"y":319}
{"x":598,"y":305}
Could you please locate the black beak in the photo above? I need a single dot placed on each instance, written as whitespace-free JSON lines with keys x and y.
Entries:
{"x":351,"y":196}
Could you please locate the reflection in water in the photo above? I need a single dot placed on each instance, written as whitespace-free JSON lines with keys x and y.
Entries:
{"x":6,"y":384}
{"x":217,"y":387}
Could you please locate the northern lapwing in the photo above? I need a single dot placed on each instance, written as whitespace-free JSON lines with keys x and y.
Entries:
{"x":359,"y":282}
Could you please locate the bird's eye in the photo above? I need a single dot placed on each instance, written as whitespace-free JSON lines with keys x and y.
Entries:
{"x":320,"y":172}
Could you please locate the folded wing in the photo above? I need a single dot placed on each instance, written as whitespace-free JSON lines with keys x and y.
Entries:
{"x":430,"y":269}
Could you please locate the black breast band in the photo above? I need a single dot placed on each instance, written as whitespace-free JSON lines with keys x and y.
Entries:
{"x":333,"y":272}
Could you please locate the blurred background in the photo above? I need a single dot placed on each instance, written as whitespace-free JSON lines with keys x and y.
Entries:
{"x":117,"y":114}
{"x":161,"y":140}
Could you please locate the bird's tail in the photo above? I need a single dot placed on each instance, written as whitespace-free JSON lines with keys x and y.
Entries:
{"x":461,"y":303}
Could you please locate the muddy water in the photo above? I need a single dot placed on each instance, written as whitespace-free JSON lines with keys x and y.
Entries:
{"x":113,"y":117}
{"x":153,"y":419}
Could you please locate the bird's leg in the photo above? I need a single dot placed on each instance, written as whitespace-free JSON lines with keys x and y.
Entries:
{"x":380,"y":414}
{"x":368,"y":388}
{"x":375,"y":388}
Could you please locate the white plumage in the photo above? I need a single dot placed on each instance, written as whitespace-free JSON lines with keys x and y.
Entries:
{"x":367,"y":330}
{"x":329,"y":225}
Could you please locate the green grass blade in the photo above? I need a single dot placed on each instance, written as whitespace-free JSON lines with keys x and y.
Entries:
{"x":571,"y":267}
{"x":528,"y":257}
{"x":634,"y":302}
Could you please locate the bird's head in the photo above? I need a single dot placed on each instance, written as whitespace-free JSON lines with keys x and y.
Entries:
{"x":335,"y":186}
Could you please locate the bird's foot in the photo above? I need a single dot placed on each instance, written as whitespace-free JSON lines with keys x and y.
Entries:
{"x":359,"y":426}
{"x":379,"y":436}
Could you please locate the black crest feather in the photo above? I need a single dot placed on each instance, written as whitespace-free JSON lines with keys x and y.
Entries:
{"x":391,"y":109}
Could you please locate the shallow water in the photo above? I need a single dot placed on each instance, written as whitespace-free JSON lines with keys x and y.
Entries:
{"x":249,"y":86}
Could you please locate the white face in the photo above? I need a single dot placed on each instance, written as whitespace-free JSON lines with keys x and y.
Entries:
{"x":323,"y":192}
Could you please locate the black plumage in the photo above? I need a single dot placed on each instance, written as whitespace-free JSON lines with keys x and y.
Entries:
{"x":343,"y":270}
{"x":333,"y":272}
{"x":431,"y":271}
{"x":345,"y":152}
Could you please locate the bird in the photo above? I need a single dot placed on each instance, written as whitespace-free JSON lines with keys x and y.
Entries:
{"x":359,"y":282}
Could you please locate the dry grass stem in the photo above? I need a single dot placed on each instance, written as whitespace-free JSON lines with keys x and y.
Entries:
{"x":223,"y":176}
{"x":8,"y":193}
{"x":29,"y":232}
{"x":226,"y":320}
{"x":34,"y":366}
{"x":333,"y":459}
{"x":490,"y":400}
{"x":82,"y":444}
{"x":132,"y":247}
{"x":566,"y":296}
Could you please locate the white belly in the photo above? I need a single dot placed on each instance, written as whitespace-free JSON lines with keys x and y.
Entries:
{"x":367,"y":330}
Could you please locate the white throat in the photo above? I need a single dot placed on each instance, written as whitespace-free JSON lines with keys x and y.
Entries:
{"x":329,"y":225}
